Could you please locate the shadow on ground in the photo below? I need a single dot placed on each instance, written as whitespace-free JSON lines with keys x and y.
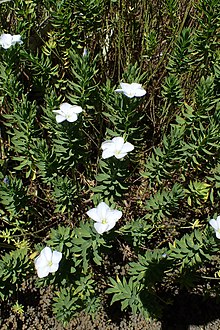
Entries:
{"x":190,"y":309}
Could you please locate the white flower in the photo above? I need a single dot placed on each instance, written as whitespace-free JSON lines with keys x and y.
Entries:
{"x":216,"y":225}
{"x":116,"y":147}
{"x":7,"y":40}
{"x":67,"y":112}
{"x":131,"y":90}
{"x":104,"y":217}
{"x":47,"y":262}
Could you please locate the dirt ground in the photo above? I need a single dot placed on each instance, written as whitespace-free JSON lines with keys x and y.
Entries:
{"x":187,"y":312}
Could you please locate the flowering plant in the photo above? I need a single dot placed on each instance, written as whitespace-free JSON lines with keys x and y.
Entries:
{"x":216,"y":225}
{"x":67,"y":112}
{"x":7,"y":40}
{"x":104,"y":217}
{"x":116,"y":147}
{"x":47,"y":262}
{"x":51,"y":169}
{"x":131,"y":90}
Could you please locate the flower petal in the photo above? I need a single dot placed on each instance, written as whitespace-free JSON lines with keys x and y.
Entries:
{"x":65,"y":107}
{"x":105,"y":217}
{"x":125,"y":86}
{"x":218,"y":221}
{"x":107,"y":153}
{"x":100,"y":227}
{"x":217,"y":234}
{"x":47,"y":253}
{"x":93,"y":214}
{"x":127,"y":147}
{"x":71,"y":118}
{"x":119,"y":90}
{"x":130,"y":95}
{"x":102,"y":210}
{"x":98,"y":213}
{"x":120,"y":155}
{"x":118,"y":142}
{"x":126,"y":90}
{"x":113,"y":215}
{"x":77,"y":109}
{"x":60,"y":118}
{"x":214,"y":224}
{"x":111,"y":224}
{"x":136,"y":85}
{"x":54,"y":267}
{"x":140,"y":92}
{"x":107,"y":144}
{"x":59,"y":112}
{"x":56,"y":257}
{"x":131,"y":90}
{"x":40,"y":262}
{"x":16,"y":38}
{"x":43,"y":271}
{"x":6,"y":40}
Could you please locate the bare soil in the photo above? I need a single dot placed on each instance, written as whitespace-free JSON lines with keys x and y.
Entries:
{"x":186,"y":312}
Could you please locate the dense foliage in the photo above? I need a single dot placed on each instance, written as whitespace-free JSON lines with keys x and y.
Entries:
{"x":51,"y":173}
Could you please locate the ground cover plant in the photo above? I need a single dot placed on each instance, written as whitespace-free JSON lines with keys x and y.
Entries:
{"x":110,"y":152}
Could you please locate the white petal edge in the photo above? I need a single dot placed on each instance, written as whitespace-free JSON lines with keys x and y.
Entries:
{"x":43,"y":272}
{"x":16,"y":38}
{"x":40,"y":262}
{"x":140,"y":92}
{"x":125,"y":86}
{"x":58,"y":112}
{"x":214,"y":224}
{"x":129,"y":95}
{"x":60,"y":118}
{"x":111,"y":225}
{"x":65,"y":106}
{"x":114,"y":214}
{"x":127,"y":147}
{"x":93,"y":214}
{"x":107,"y":153}
{"x":56,"y":257}
{"x":107,"y":144}
{"x":77,"y":108}
{"x":218,"y":221}
{"x":136,"y":85}
{"x":121,"y":155}
{"x":54,"y":267}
